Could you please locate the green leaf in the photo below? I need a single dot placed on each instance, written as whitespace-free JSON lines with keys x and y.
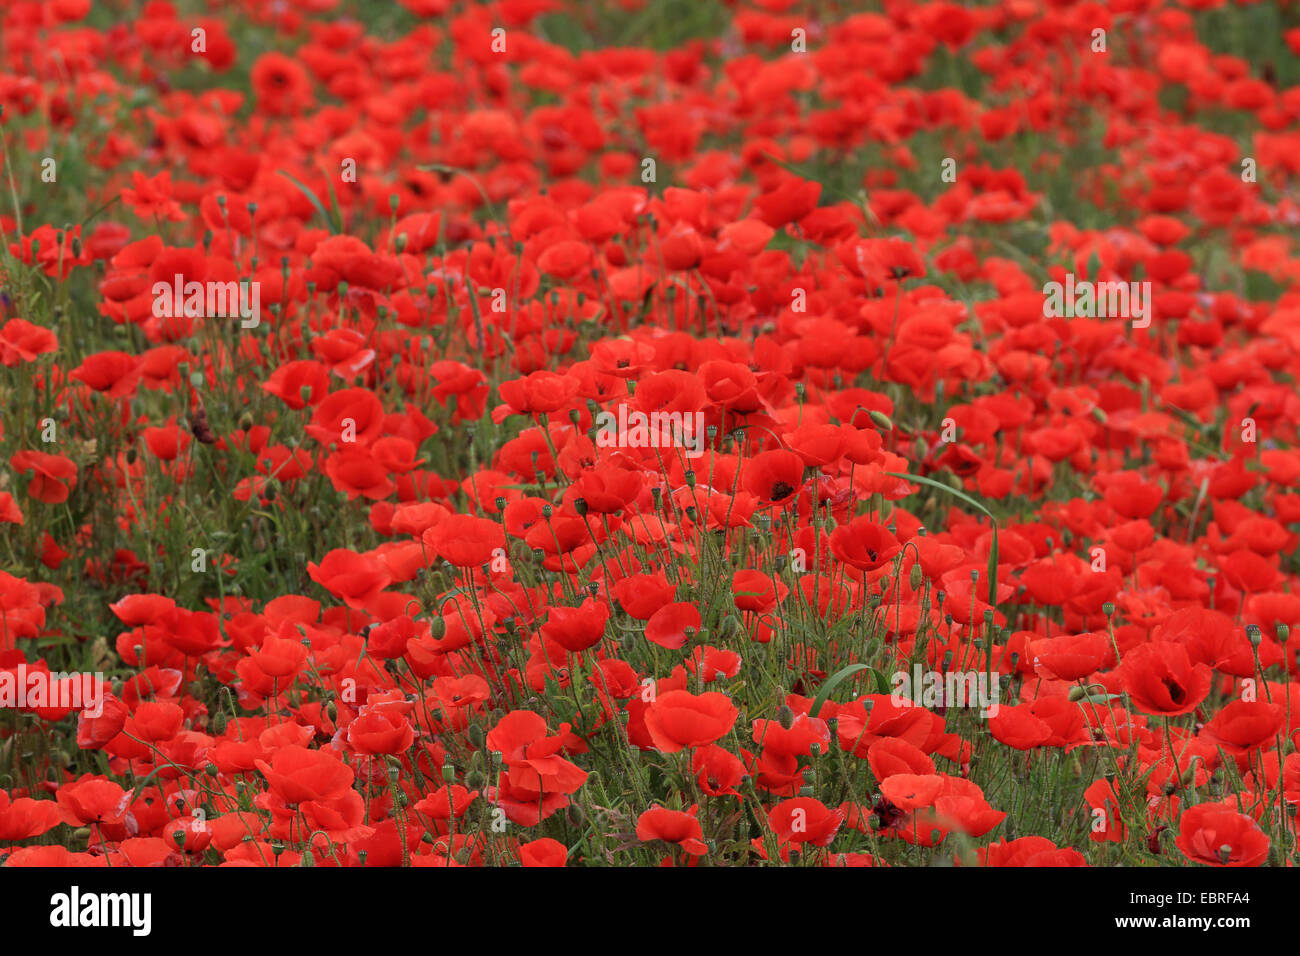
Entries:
{"x":838,"y":678}
{"x":993,"y":552}
{"x":335,"y":228}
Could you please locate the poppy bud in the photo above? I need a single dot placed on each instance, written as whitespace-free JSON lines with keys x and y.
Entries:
{"x":437,"y":628}
{"x":785,"y":716}
{"x":574,"y":816}
{"x":307,"y":859}
{"x":881,"y":419}
{"x":474,"y":779}
{"x":914,"y":577}
{"x":332,"y":711}
{"x":246,"y":422}
{"x":476,"y":735}
{"x":219,"y":722}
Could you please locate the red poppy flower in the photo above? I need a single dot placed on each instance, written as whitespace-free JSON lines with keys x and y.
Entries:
{"x":805,"y":820}
{"x":677,"y":719}
{"x":23,"y":818}
{"x":774,"y":476}
{"x":672,"y":826}
{"x":1217,"y":836}
{"x":543,"y":852}
{"x":1071,"y":657}
{"x":1162,"y":679}
{"x":1030,"y":851}
{"x":465,"y":541}
{"x":673,"y":625}
{"x":577,"y":628}
{"x":92,"y":799}
{"x":355,"y":578}
{"x":21,"y":341}
{"x":53,"y":475}
{"x":864,"y":544}
{"x":297,"y":774}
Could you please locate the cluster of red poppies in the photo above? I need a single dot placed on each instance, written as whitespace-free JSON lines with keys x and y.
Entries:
{"x":662,"y":454}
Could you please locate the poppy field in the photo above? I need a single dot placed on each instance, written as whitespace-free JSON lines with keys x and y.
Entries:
{"x":649,"y":433}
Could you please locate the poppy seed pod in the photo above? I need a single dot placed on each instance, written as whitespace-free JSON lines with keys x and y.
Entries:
{"x":785,"y":717}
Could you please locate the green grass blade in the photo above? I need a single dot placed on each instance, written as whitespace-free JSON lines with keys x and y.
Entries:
{"x":993,"y":552}
{"x":838,"y":678}
{"x":329,"y":220}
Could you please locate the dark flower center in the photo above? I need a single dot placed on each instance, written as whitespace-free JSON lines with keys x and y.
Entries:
{"x":1175,"y":691}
